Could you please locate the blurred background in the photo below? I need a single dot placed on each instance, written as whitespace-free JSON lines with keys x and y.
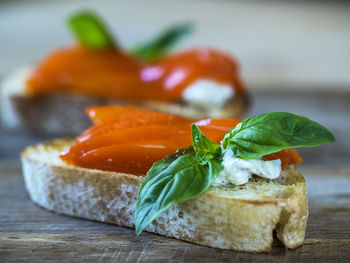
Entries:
{"x":294,"y":55}
{"x":279,"y":43}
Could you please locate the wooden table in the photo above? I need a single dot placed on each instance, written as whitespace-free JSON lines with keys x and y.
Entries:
{"x":30,"y":233}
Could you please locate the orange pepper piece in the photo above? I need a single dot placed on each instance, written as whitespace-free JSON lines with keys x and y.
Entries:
{"x":176,"y":137}
{"x":125,"y":158}
{"x":114,"y":74}
{"x":287,"y":157}
{"x":129,"y":139}
{"x":132,"y":119}
{"x":98,"y":113}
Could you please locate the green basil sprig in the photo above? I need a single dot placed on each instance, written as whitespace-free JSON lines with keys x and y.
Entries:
{"x":163,"y":43}
{"x":175,"y":179}
{"x":90,"y":31}
{"x":204,"y":148}
{"x":272,"y":132}
{"x":190,"y":172}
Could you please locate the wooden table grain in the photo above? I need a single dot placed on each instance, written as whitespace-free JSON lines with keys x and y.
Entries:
{"x":29,"y":233}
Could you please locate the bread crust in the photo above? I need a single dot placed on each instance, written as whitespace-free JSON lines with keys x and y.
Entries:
{"x":217,"y":218}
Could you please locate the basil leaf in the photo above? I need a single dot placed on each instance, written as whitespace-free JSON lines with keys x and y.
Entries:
{"x":160,"y":45}
{"x":159,"y":166}
{"x":90,"y":31}
{"x":271,"y":132}
{"x":204,"y":148}
{"x":181,"y":180}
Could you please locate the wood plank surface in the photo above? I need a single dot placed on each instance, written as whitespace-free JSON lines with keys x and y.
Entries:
{"x":32,"y":234}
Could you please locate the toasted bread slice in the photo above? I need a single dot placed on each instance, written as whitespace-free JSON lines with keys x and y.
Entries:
{"x":233,"y":217}
{"x":63,"y":114}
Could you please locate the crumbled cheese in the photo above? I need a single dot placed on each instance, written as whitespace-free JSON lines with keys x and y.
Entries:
{"x":208,"y":93}
{"x":238,"y":171}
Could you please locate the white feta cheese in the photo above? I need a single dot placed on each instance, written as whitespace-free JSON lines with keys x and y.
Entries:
{"x":208,"y":93}
{"x":238,"y":171}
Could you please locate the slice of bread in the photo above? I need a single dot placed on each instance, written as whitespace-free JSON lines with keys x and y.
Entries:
{"x":233,"y":217}
{"x":63,"y":114}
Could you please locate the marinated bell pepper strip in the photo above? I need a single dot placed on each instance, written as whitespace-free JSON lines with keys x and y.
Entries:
{"x":287,"y":157}
{"x":136,"y":138}
{"x":125,"y":158}
{"x":113,"y":74}
{"x":115,"y":119}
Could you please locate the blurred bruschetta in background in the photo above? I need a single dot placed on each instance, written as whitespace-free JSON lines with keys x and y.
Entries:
{"x":50,"y":97}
